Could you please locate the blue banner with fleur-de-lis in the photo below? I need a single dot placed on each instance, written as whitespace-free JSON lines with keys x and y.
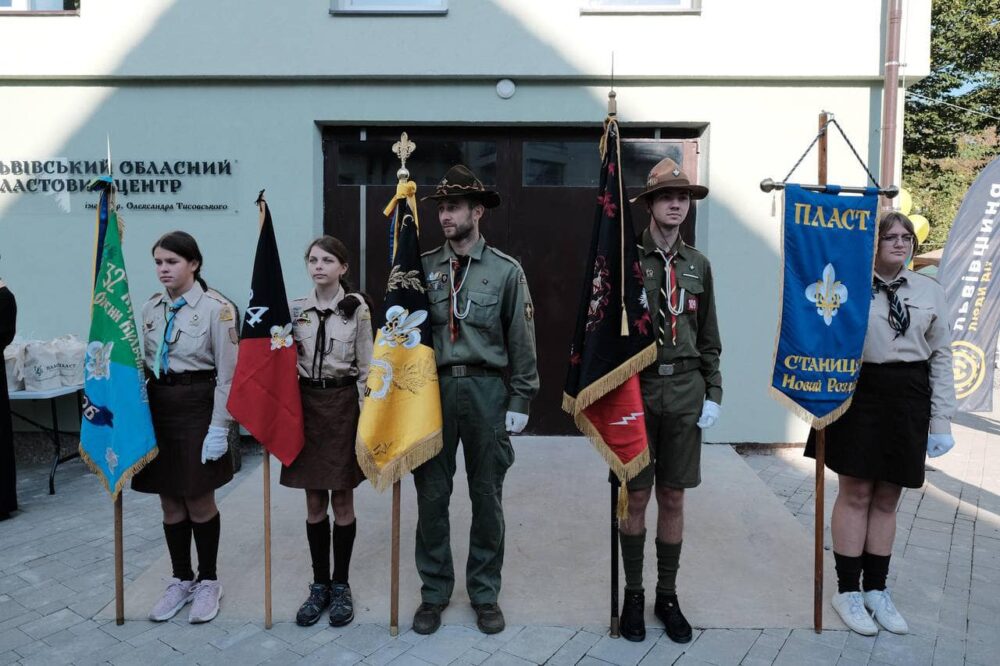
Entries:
{"x":828,"y":246}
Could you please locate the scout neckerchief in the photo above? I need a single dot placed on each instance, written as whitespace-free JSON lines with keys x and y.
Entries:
{"x":455,"y":271}
{"x":673,"y":301}
{"x":899,"y":316}
{"x":162,"y":363}
{"x":321,"y":349}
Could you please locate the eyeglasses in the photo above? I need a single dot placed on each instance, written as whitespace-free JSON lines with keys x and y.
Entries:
{"x":892,"y":239}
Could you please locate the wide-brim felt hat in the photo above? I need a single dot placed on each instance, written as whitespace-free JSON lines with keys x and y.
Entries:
{"x":667,"y":175}
{"x":461,"y":182}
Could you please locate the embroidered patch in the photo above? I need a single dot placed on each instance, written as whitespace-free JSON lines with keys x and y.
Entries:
{"x":649,"y":272}
{"x":520,"y":279}
{"x":692,"y":303}
{"x":225,"y":315}
{"x":233,"y":336}
{"x":529,"y":311}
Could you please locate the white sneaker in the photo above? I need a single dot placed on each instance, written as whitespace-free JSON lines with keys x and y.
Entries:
{"x":175,"y":597}
{"x":206,"y":596}
{"x":850,"y":606}
{"x":880,"y":604}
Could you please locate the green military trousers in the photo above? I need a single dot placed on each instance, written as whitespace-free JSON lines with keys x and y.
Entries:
{"x":474,"y":409}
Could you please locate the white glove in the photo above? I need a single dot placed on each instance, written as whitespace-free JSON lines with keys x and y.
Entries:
{"x":938,"y":445}
{"x":710,"y":412}
{"x":216,"y":443}
{"x":516,"y":422}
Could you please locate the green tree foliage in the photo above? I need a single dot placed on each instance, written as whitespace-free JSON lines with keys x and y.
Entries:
{"x":945,"y":147}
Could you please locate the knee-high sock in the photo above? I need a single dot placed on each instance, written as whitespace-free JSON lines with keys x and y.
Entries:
{"x":179,"y":546}
{"x":632,"y":550}
{"x":848,"y":572}
{"x":343,"y":546}
{"x":668,"y":561}
{"x":206,"y":541}
{"x":319,"y":549}
{"x":875,"y":569}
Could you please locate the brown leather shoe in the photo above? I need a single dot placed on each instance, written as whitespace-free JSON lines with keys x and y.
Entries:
{"x":427,"y":619}
{"x":489,"y":618}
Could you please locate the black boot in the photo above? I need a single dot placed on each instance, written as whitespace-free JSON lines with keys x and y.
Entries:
{"x":632,"y":624}
{"x":427,"y":619}
{"x":489,"y":618}
{"x":669,"y":612}
{"x":313,"y":607}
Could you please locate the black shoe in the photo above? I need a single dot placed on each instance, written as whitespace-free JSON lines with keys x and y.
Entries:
{"x":341,"y":605}
{"x":489,"y":618}
{"x":632,"y":624}
{"x":310,"y":611}
{"x":669,"y":612}
{"x":427,"y":619}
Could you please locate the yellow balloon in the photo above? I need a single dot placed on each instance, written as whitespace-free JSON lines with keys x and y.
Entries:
{"x":921,"y":226}
{"x":905,"y":201}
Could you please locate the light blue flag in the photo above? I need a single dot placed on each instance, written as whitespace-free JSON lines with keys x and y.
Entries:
{"x":116,"y":434}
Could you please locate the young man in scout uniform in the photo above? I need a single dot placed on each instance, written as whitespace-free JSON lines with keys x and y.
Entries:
{"x":681,"y":395}
{"x":481,"y":316}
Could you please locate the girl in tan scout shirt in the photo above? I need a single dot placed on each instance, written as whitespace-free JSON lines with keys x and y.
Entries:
{"x":333,"y":337}
{"x":900,"y":413}
{"x":189,"y":340}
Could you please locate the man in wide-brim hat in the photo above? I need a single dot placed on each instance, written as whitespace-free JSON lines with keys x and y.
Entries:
{"x":482,"y":319}
{"x":681,"y":395}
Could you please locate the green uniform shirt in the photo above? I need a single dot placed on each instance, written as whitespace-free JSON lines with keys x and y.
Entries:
{"x":697,"y":326}
{"x":499,"y":330}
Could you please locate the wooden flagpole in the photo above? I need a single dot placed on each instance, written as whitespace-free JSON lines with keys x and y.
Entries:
{"x":394,"y":574}
{"x":267,"y":539}
{"x":119,"y":565}
{"x":824,"y":118}
{"x":267,"y":485}
{"x":615,"y":485}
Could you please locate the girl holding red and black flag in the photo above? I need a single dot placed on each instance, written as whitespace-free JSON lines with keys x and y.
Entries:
{"x":189,"y":339}
{"x":333,"y":338}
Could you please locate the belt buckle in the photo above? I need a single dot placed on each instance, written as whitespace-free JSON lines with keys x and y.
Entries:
{"x":322,"y":383}
{"x":665,"y":369}
{"x":459,"y":370}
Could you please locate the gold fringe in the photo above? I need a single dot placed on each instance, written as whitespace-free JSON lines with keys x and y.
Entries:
{"x":609,"y":382}
{"x":125,"y":477}
{"x":418,"y":453}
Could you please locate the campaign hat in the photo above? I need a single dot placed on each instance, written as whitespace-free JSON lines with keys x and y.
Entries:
{"x":667,"y":175}
{"x":459,"y":181}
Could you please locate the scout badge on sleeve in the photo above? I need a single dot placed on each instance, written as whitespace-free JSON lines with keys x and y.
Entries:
{"x":264,"y":397}
{"x":613,"y":339}
{"x":966,"y":273}
{"x":828,"y":243}
{"x":400,"y":425}
{"x":116,"y":432}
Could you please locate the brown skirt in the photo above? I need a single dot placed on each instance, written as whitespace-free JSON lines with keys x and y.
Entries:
{"x":327,"y":461}
{"x":181,"y":416}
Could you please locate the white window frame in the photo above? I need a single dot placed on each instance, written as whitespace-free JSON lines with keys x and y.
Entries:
{"x":615,"y":7}
{"x":357,"y":7}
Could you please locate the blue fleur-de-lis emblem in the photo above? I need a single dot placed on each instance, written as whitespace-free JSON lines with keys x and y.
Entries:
{"x":828,"y":294}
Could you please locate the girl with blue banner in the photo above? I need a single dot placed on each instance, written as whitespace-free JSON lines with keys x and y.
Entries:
{"x":901,"y":412}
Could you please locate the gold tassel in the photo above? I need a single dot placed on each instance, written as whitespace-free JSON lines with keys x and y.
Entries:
{"x":624,"y":322}
{"x":622,"y":502}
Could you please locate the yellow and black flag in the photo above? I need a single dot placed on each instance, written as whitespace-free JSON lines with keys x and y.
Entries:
{"x":400,"y":426}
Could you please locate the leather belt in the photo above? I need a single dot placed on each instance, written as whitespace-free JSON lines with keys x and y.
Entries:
{"x":182,"y":378}
{"x":329,"y":382}
{"x":671,"y":369}
{"x":468,"y":371}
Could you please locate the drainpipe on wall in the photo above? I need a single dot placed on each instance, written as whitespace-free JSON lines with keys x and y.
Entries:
{"x":890,"y":88}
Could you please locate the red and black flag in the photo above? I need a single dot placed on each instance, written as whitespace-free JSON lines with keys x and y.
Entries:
{"x":264,"y":397}
{"x":614,"y":337}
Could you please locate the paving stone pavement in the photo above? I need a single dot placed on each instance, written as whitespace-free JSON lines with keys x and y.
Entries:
{"x":57,"y":563}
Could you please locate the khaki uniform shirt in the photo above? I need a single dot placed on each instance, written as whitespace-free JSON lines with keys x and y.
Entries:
{"x":348,"y":339}
{"x":927,"y":339}
{"x":697,"y":326}
{"x":499,"y":331}
{"x":203,"y":338}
